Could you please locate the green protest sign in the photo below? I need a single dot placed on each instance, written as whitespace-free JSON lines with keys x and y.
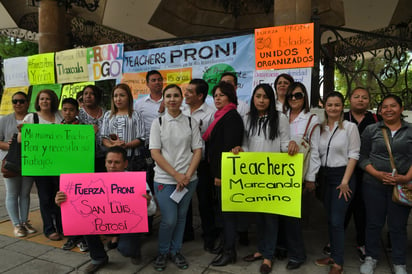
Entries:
{"x":54,"y":149}
{"x":262,"y":182}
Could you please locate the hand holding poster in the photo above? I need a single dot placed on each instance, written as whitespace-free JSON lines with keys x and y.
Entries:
{"x":104,"y":203}
{"x":51,"y":150}
{"x":262,"y":182}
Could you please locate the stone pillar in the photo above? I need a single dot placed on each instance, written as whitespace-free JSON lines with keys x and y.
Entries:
{"x":288,"y":12}
{"x":52,"y":27}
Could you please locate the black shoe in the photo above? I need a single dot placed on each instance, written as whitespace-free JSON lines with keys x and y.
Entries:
{"x":180,"y":261}
{"x":225,"y":258}
{"x":293,"y":265}
{"x":160,"y":262}
{"x":69,"y":245}
{"x":92,"y":268}
{"x":243,"y":238}
{"x":218,"y":249}
{"x":326,"y":250}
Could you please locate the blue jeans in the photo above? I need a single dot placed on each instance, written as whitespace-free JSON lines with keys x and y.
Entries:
{"x":336,"y":210}
{"x":379,"y":209}
{"x":294,"y":239}
{"x":173,"y":220}
{"x":267,"y":229}
{"x":18,"y":198}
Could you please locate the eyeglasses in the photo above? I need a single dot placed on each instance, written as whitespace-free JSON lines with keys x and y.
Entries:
{"x":297,"y":96}
{"x":21,"y":101}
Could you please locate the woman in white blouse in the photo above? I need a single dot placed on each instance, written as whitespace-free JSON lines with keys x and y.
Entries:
{"x":301,"y":122}
{"x":339,"y":151}
{"x":266,"y":130}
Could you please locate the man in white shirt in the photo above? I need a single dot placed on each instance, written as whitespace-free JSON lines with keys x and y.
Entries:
{"x":150,"y":107}
{"x":231,"y":78}
{"x":195,"y":95}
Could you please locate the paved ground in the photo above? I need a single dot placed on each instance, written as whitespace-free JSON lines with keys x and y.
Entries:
{"x":38,"y":256}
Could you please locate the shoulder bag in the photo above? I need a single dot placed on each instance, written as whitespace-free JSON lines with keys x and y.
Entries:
{"x":402,"y":193}
{"x":304,"y":146}
{"x":11,"y":166}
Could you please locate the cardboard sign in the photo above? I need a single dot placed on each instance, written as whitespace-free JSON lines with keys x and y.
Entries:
{"x":105,"y":62}
{"x":41,"y":69}
{"x":104,"y":203}
{"x":54,"y":149}
{"x":6,"y":105}
{"x":284,"y":47}
{"x":71,"y":66}
{"x":15,"y":72}
{"x":71,"y":90}
{"x":262,"y":182}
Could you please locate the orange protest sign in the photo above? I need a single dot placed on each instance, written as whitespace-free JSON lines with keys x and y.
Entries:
{"x":284,"y":47}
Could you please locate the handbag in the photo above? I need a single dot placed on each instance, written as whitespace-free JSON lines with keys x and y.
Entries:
{"x":304,"y":146}
{"x":402,"y":193}
{"x":12,"y":161}
{"x":7,"y":173}
{"x":321,"y":184}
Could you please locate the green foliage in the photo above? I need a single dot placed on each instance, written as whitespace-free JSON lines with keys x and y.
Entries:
{"x":11,"y":47}
{"x":387,"y":71}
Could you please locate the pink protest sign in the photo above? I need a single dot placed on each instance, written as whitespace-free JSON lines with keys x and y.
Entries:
{"x":104,"y":203}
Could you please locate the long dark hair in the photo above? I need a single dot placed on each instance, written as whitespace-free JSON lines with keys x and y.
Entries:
{"x":272,"y":114}
{"x":126,"y":88}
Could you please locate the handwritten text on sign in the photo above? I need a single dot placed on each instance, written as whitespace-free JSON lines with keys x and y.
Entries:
{"x":284,"y":47}
{"x":51,"y":150}
{"x":104,"y":203}
{"x":262,"y":182}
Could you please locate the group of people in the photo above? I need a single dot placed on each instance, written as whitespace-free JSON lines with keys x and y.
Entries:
{"x":178,"y":139}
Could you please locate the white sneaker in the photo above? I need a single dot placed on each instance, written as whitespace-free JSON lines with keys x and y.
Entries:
{"x":19,"y":231}
{"x":400,"y":269}
{"x":368,"y":266}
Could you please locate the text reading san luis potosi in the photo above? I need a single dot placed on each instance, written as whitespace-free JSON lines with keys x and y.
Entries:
{"x":87,"y":208}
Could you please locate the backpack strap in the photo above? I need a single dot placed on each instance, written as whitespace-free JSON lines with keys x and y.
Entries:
{"x":35,"y":118}
{"x":160,"y":120}
{"x":190,"y":122}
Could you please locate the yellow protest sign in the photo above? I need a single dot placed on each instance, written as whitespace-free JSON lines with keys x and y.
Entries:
{"x":41,"y":69}
{"x":6,"y":105}
{"x":284,"y":47}
{"x":262,"y":182}
{"x":71,"y":90}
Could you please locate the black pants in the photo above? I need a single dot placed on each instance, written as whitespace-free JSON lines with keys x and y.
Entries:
{"x":206,"y":196}
{"x":47,"y":187}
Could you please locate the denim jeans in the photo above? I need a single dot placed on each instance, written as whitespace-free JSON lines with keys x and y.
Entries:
{"x":294,"y":239}
{"x":128,"y":246}
{"x":18,"y":198}
{"x":47,"y":187}
{"x":379,"y":209}
{"x":267,"y":230}
{"x":173,"y":220}
{"x":336,"y":210}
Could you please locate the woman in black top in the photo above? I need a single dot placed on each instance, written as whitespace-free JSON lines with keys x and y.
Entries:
{"x":359,"y":103}
{"x":225,"y":133}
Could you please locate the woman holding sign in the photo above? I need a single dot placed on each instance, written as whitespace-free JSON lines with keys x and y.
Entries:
{"x":176,"y":148}
{"x":302,"y":125}
{"x":266,"y":130}
{"x":46,"y":105}
{"x":339,"y":151}
{"x":223,"y":134}
{"x":17,"y":187}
